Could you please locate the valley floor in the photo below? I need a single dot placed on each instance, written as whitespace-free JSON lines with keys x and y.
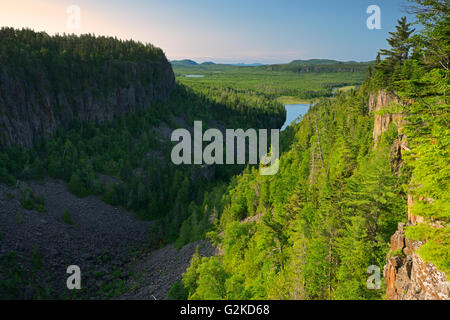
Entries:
{"x":106,"y":242}
{"x":155,"y":273}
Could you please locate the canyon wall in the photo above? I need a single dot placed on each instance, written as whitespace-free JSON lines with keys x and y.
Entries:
{"x":34,"y":109}
{"x":407,"y":275}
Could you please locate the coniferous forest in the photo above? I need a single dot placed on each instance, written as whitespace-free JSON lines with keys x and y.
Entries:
{"x":365,"y":165}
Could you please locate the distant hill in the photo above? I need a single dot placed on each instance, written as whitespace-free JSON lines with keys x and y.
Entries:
{"x":192,"y":63}
{"x":320,"y":65}
{"x":322,"y":61}
{"x":314,"y":61}
{"x":184,"y":63}
{"x":207,"y":63}
{"x":240,"y":64}
{"x":297,"y":66}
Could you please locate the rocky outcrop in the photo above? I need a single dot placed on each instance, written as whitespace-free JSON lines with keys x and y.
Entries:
{"x":408,"y":277}
{"x":30,"y":110}
{"x":377,"y":101}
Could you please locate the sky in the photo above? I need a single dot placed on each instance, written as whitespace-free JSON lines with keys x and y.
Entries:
{"x":223,"y":31}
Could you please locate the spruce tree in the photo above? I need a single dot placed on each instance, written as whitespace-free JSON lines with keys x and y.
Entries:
{"x":400,"y":46}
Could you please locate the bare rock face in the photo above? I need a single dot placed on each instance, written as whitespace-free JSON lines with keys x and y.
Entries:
{"x":408,"y":277}
{"x":380,"y":100}
{"x":31,"y":110}
{"x":377,"y":101}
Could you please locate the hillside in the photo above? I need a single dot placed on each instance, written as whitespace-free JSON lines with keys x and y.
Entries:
{"x":362,"y":191}
{"x":311,"y":231}
{"x":184,"y":63}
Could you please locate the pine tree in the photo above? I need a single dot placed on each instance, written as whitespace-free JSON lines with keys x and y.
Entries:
{"x":400,"y":46}
{"x":190,"y":277}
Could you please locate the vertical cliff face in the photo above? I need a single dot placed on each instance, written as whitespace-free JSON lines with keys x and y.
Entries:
{"x":407,"y":275}
{"x":377,"y":101}
{"x":29,"y":113}
{"x":54,"y":80}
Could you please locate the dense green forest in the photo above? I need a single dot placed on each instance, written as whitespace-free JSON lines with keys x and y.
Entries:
{"x":334,"y":199}
{"x":132,"y":149}
{"x":135,"y":147}
{"x":73,"y":62}
{"x":40,"y":45}
{"x":312,"y":230}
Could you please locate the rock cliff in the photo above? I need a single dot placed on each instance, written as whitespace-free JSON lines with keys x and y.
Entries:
{"x":407,"y":275}
{"x":377,"y":101}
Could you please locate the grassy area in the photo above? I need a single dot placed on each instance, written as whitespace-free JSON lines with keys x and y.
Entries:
{"x":345,"y":88}
{"x":294,"y":100}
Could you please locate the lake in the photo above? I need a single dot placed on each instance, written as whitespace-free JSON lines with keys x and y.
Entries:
{"x":293,"y":111}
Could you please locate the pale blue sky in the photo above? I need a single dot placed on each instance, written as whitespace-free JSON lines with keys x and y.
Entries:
{"x":267,"y":31}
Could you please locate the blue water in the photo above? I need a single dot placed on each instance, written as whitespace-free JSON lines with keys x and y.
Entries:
{"x":293,"y":111}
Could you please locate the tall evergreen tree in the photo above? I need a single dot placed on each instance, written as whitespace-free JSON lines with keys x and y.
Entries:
{"x":400,"y":46}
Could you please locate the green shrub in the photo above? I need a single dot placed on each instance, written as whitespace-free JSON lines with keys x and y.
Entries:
{"x":76,"y":186}
{"x":33,"y":201}
{"x":177,"y":292}
{"x":67,"y":217}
